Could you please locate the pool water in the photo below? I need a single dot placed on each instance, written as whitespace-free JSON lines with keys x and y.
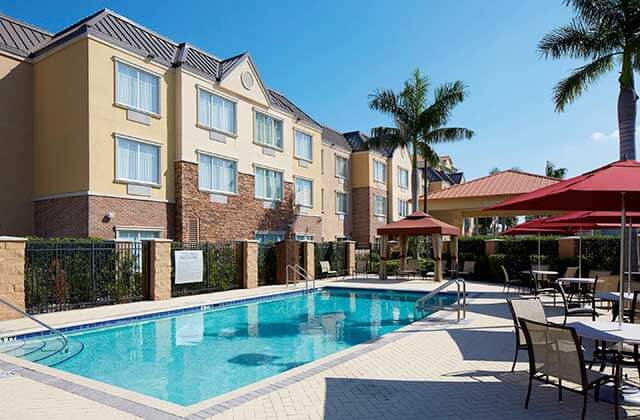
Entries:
{"x":192,"y":357}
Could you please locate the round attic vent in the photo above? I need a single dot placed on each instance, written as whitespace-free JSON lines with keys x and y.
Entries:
{"x":247,"y":80}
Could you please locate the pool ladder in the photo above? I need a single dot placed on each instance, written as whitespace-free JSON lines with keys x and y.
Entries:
{"x":421,"y":305}
{"x":38,"y":353}
{"x":298,"y":270}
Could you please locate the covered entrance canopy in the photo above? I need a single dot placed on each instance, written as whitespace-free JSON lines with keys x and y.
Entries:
{"x":471,"y":198}
{"x":418,"y":224}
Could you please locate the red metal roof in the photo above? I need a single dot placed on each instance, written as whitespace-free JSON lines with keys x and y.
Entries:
{"x":418,"y":223}
{"x":509,"y":182}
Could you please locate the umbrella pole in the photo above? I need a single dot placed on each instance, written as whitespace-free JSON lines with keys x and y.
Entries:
{"x":621,"y":276}
{"x":580,"y":252}
{"x":538,"y":251}
{"x":629,"y":259}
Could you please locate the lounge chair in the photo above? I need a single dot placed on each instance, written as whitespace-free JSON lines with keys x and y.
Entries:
{"x":510,"y":281}
{"x":326,"y":271}
{"x":361,"y":268}
{"x":410,"y":268}
{"x":468,"y":269}
{"x":555,"y":351}
{"x":529,"y":308}
{"x":578,"y":311}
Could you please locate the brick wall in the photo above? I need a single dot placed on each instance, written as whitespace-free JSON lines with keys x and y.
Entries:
{"x":240,"y":217}
{"x":365,"y":223}
{"x":83,"y":216}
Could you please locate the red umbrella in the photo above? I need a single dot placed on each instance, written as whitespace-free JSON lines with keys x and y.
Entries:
{"x":613,"y":187}
{"x":600,"y":217}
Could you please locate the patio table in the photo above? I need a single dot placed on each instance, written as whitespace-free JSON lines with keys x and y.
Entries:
{"x":616,"y":333}
{"x":613,"y":296}
{"x":541,"y":272}
{"x":576,"y":280}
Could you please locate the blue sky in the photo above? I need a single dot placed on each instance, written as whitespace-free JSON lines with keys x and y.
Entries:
{"x":329,"y":56}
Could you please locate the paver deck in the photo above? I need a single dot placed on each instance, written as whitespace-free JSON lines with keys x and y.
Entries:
{"x":424,"y":370}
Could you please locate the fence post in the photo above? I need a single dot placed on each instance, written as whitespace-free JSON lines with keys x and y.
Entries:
{"x":309,"y":258}
{"x":249,"y":264}
{"x":12,"y":258}
{"x":159,"y":269}
{"x":350,"y":257}
{"x":567,"y":247}
{"x":491,"y":246}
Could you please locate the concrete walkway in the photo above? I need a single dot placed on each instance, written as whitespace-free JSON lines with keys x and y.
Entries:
{"x":443,"y":371}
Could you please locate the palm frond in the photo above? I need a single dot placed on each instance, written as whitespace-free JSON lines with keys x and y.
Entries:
{"x":446,"y":97}
{"x":598,"y":11}
{"x":567,"y":90}
{"x":385,"y":101}
{"x":448,"y":134}
{"x":387,"y":137}
{"x":430,"y":156}
{"x":576,"y":40}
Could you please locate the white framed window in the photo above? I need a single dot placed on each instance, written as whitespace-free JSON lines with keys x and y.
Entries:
{"x":303,"y":146}
{"x":403,"y":208}
{"x":137,"y":235}
{"x":216,"y":112}
{"x":341,"y":167}
{"x":304,"y":237}
{"x":380,"y":205}
{"x":268,"y":184}
{"x":137,"y":162}
{"x":379,"y":171}
{"x":304,"y":192}
{"x":268,"y":130}
{"x":403,"y":178}
{"x":216,"y":174}
{"x":137,"y":89}
{"x":264,"y":237}
{"x":341,"y":203}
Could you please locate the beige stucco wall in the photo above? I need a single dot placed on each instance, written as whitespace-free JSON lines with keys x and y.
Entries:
{"x":61,"y":123}
{"x":332,"y":224}
{"x":190,"y":138}
{"x":400,"y":159}
{"x":107,"y":119}
{"x":16,"y":132}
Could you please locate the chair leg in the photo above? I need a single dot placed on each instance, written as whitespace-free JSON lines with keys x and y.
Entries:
{"x":584,"y":403}
{"x":559,"y":389}
{"x":515,"y":358}
{"x":616,"y":390}
{"x":526,"y":403}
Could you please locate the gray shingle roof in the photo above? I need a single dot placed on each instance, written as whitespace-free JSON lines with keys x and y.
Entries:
{"x":436,"y":175}
{"x":280,"y":102}
{"x":20,"y":38}
{"x":335,"y":138}
{"x":360,"y":141}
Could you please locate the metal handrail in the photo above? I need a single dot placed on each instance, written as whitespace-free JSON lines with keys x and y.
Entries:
{"x":302,"y":272}
{"x":461,"y":287}
{"x":65,"y":340}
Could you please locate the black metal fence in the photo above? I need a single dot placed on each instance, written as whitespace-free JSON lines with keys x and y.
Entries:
{"x":222,"y":267}
{"x":64,"y":274}
{"x":266,"y":263}
{"x":335,"y":253}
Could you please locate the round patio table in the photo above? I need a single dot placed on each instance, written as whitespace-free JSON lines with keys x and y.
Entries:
{"x":576,"y":280}
{"x":542,"y":272}
{"x":616,"y":333}
{"x":613,"y":296}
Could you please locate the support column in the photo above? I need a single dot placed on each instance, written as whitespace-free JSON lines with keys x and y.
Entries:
{"x":384,"y":255}
{"x":12,"y":256}
{"x":249,"y":264}
{"x":491,"y":246}
{"x":404,"y":247}
{"x":567,"y":247}
{"x":159,"y":269}
{"x":350,"y":258}
{"x":436,"y":241}
{"x":453,"y":248}
{"x":309,"y":258}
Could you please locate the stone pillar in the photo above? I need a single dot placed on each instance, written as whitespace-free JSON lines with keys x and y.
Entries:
{"x":491,"y":246}
{"x":436,"y":243}
{"x":12,"y":251}
{"x":384,"y":255}
{"x":309,"y":258}
{"x":249,"y":264}
{"x":567,"y":247}
{"x":159,"y":269}
{"x":350,"y":257}
{"x":404,"y":248}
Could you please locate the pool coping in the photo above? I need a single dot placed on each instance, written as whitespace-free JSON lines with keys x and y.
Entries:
{"x":149,"y":407}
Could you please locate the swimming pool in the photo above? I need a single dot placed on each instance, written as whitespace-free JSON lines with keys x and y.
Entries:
{"x":191,"y":357}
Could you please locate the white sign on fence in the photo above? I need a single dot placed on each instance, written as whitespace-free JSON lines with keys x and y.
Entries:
{"x":188,"y":267}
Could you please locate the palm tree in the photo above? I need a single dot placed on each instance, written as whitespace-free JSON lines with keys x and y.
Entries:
{"x":419,"y":123}
{"x":606,"y":33}
{"x":553,"y":172}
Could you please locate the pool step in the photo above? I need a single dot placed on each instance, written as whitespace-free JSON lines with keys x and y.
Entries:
{"x":49,"y":352}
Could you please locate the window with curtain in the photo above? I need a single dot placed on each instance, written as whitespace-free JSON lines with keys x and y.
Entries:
{"x":137,"y":89}
{"x":341,"y":203}
{"x":304,"y":192}
{"x":379,"y":171}
{"x":268,"y":130}
{"x":217,"y":174}
{"x":137,"y":162}
{"x":216,"y":112}
{"x":403,"y":208}
{"x":403,"y":178}
{"x":268,"y":184}
{"x":341,"y":167}
{"x":380,"y":205}
{"x":303,"y":146}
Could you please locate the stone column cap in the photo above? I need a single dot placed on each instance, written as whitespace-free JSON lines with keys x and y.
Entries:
{"x":570,"y":237}
{"x":157,"y":240}
{"x":252,"y":241}
{"x":12,"y":239}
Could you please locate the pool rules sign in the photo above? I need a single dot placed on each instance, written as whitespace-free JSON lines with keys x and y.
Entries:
{"x":188,"y":267}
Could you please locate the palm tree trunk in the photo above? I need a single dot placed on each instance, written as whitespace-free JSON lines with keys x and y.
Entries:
{"x":426,"y":187}
{"x":414,"y":178}
{"x":627,"y":129}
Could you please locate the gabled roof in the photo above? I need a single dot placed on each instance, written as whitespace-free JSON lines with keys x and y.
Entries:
{"x":507,"y":182}
{"x":280,"y":102}
{"x":361,"y":142}
{"x":20,"y":38}
{"x":335,"y":138}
